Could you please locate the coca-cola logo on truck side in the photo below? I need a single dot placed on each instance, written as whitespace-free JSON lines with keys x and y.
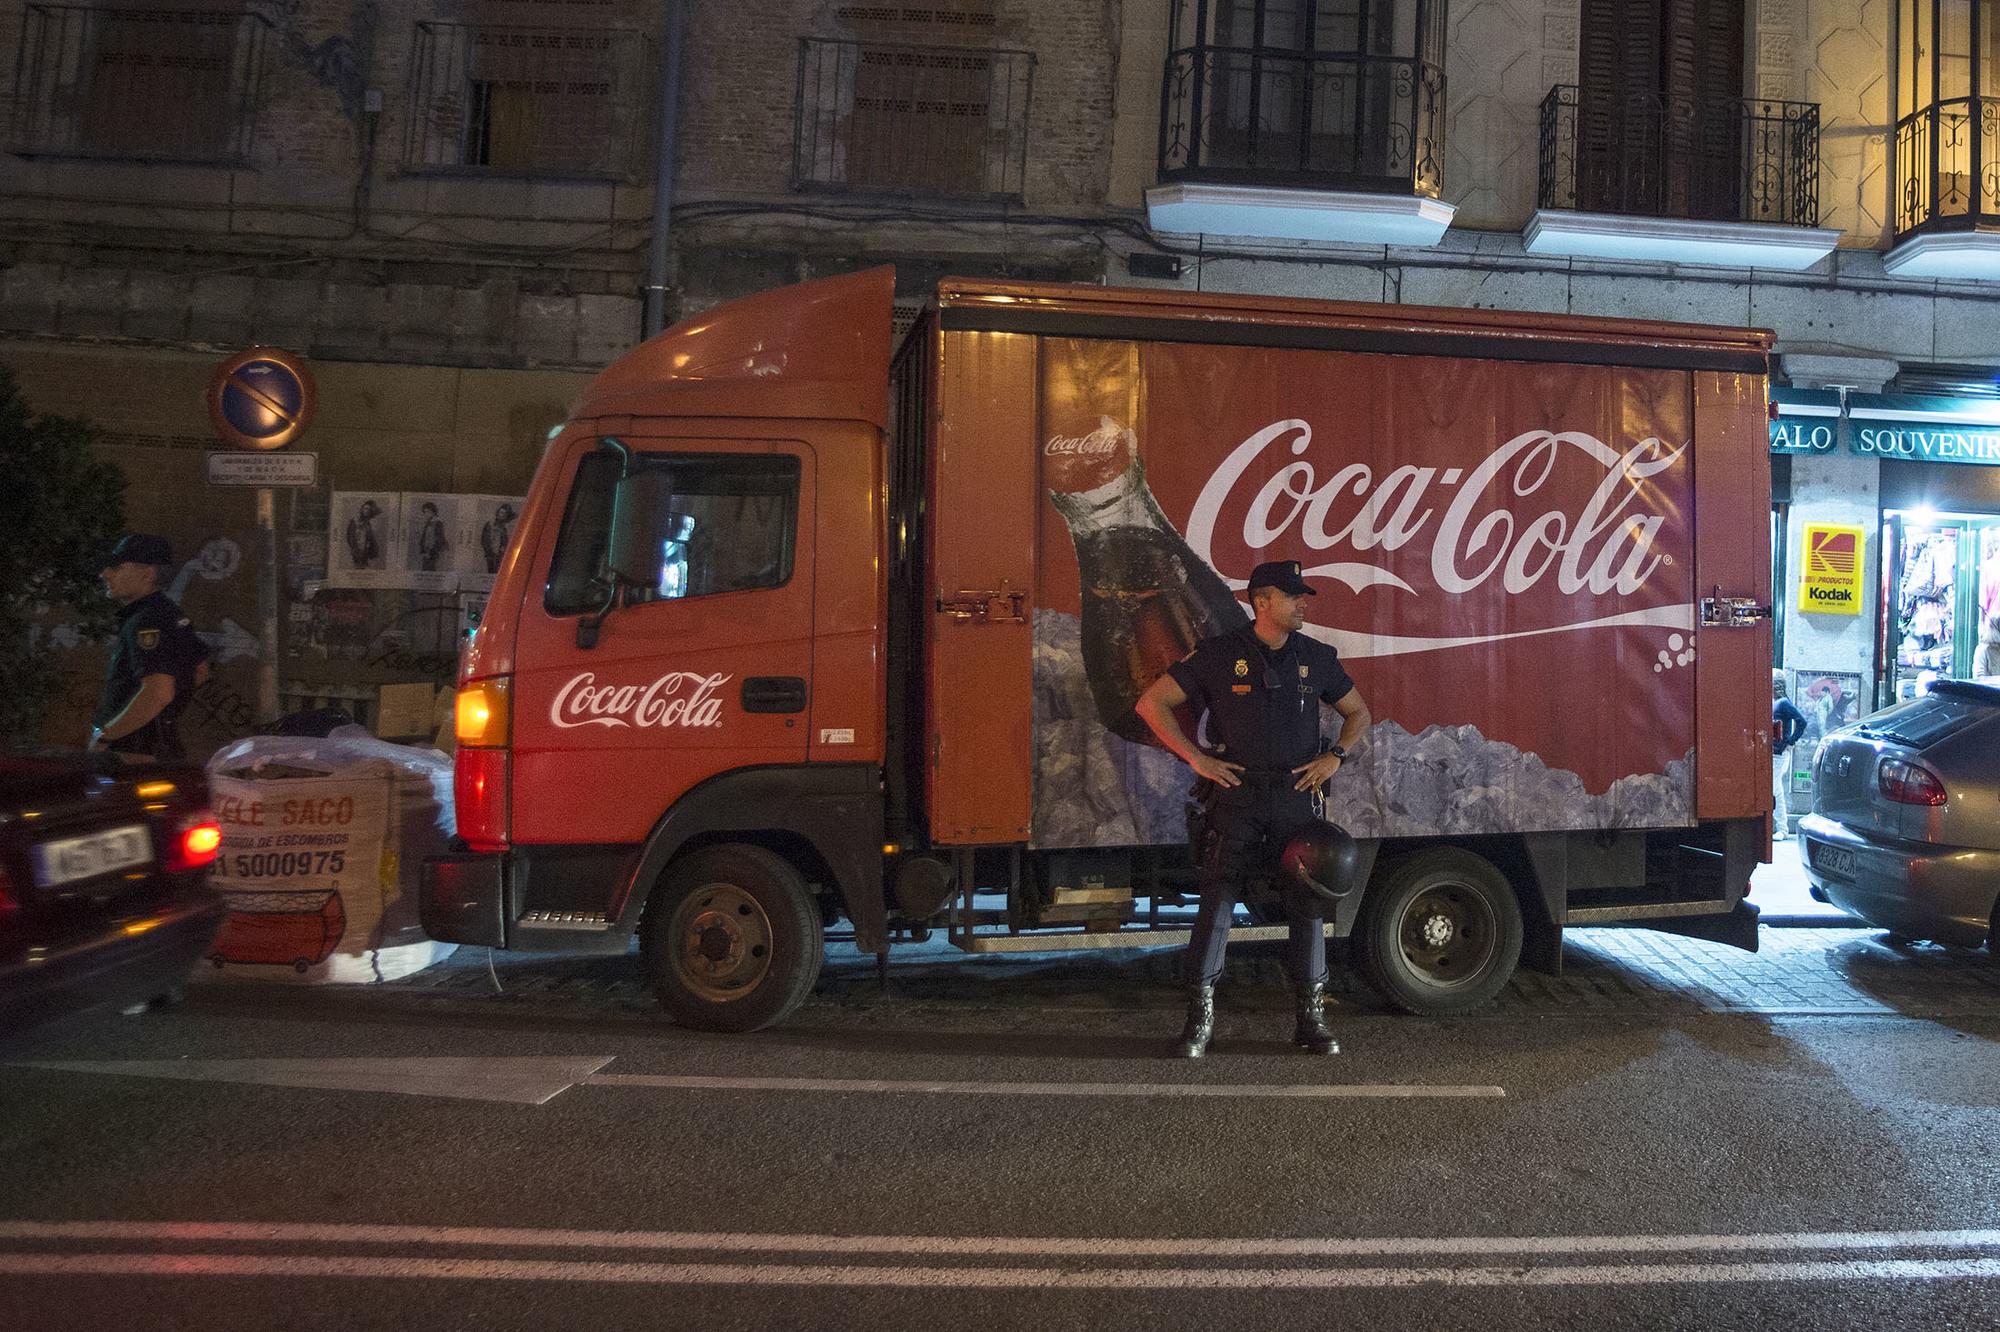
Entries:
{"x":678,"y":698}
{"x":1602,"y":548}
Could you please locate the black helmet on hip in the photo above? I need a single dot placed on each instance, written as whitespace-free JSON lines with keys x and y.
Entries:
{"x":1322,"y":860}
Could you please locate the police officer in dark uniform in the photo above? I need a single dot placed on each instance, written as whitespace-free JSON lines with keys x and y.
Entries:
{"x":156,"y":660}
{"x":1263,"y":687}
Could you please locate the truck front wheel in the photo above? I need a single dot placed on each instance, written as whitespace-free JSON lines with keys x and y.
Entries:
{"x":1440,"y":932}
{"x":732,"y":939}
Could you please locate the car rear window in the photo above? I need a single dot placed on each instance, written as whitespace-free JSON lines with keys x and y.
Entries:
{"x":1923,"y":722}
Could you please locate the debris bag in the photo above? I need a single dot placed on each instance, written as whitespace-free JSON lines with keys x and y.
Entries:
{"x":323,"y":838}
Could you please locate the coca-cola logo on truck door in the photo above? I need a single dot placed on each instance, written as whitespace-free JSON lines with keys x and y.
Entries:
{"x":678,"y":698}
{"x":1502,"y":553}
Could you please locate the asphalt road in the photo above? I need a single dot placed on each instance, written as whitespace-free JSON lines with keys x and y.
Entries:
{"x":976,"y":1151}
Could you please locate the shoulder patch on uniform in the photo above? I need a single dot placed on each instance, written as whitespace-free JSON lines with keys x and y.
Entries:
{"x":148,"y":639}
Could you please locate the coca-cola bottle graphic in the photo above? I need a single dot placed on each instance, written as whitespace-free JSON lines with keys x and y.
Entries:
{"x":1147,"y":597}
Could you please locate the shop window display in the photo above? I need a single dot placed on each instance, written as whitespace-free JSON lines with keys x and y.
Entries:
{"x":1946,"y":577}
{"x":1926,"y":608}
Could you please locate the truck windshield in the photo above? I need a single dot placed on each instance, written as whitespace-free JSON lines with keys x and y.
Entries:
{"x":730,"y":524}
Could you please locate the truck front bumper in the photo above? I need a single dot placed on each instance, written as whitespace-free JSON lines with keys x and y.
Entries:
{"x":463,"y":898}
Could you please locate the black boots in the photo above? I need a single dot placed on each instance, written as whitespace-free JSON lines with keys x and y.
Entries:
{"x":1311,"y":1035}
{"x":1193,"y":1043}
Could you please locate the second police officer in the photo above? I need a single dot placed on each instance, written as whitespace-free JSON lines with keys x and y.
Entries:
{"x":1263,"y":687}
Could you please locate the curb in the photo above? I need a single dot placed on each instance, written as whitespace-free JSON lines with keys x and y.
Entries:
{"x":1816,"y":920}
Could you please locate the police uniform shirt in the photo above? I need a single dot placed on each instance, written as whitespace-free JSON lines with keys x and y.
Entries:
{"x":154,"y":638}
{"x":1263,"y":706}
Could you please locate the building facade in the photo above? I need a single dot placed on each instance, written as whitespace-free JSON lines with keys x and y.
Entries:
{"x":454,"y":209}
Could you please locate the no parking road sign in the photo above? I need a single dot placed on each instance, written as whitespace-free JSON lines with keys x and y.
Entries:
{"x":260,"y":399}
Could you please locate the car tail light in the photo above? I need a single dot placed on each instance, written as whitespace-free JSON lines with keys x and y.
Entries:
{"x":479,"y":790}
{"x":1908,"y":784}
{"x":196,"y":844}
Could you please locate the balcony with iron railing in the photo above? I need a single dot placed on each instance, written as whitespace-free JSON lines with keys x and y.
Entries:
{"x":1310,"y":121}
{"x":912,"y":121}
{"x":138,"y":83}
{"x":1648,"y":175}
{"x":1249,"y":115}
{"x":1948,"y":167}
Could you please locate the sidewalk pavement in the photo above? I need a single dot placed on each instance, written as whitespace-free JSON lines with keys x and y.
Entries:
{"x":1781,"y":893}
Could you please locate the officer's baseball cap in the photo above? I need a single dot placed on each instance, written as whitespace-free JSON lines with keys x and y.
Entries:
{"x":140,"y":548}
{"x":1283,"y":575}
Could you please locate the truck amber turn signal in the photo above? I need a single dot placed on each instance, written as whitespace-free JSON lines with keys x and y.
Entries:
{"x":483,"y":716}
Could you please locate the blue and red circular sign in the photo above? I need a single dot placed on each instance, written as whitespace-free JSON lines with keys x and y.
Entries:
{"x":261,"y":399}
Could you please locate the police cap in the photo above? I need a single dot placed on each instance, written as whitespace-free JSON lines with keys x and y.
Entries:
{"x":140,"y":548}
{"x":1281,"y":574}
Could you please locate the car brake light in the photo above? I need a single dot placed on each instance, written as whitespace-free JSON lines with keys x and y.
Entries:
{"x":197,"y":843}
{"x":483,"y":719}
{"x":1908,"y":784}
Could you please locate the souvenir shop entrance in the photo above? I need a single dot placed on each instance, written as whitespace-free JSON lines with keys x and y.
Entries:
{"x":1940,"y":573}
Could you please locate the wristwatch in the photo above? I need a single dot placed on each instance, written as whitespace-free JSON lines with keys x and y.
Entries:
{"x":1338,"y":751}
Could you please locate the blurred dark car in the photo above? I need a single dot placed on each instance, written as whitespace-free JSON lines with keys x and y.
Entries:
{"x":104,"y":893}
{"x":1905,"y":828}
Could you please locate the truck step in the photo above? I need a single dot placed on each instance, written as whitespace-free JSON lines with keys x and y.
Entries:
{"x":1075,"y":943}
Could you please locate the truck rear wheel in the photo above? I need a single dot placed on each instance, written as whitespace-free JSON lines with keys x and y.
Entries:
{"x":732,"y":940}
{"x":1439,"y":933}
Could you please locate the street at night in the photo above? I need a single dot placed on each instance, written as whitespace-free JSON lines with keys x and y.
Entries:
{"x":1671,"y":1134}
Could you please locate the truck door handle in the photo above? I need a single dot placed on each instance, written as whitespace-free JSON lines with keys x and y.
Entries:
{"x":774,"y":693}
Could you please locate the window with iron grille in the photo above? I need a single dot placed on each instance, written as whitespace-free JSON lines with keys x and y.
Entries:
{"x":908,"y":119}
{"x":505,"y":100}
{"x":138,"y":83}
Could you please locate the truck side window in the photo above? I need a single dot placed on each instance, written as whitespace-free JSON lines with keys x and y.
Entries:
{"x":730,"y":524}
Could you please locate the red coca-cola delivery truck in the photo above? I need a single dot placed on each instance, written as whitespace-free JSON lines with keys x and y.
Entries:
{"x":793,"y":633}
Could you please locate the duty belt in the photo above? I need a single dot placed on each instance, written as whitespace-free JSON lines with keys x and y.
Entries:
{"x":1262,"y":775}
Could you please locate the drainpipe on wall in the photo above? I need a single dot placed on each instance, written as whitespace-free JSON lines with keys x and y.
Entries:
{"x":663,"y":169}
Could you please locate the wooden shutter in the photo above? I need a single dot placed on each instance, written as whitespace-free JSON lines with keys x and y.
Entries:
{"x":1721,"y":135}
{"x":1658,"y":128}
{"x":1618,"y":82}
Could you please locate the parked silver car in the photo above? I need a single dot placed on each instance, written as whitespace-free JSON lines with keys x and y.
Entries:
{"x":1905,"y":827}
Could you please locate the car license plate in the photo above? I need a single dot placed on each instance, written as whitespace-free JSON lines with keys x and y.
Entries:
{"x":74,"y":858}
{"x":1830,"y":859}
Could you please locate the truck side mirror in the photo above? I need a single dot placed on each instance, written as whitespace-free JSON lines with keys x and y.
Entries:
{"x":636,"y":508}
{"x":634,"y":545}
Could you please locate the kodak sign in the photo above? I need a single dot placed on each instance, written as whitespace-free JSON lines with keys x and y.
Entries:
{"x":1830,"y":574}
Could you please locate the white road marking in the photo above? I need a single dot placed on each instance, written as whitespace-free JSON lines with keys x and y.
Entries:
{"x":1280,"y":1090}
{"x":539,"y":1079}
{"x":1047,"y":1246}
{"x":961,"y":1278}
{"x":518,"y":1079}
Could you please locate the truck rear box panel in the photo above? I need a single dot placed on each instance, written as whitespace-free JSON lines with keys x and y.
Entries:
{"x":1508,"y":554}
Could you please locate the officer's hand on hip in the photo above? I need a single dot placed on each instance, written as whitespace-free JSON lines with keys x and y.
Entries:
{"x":1217,"y":771}
{"x":1314,"y":773}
